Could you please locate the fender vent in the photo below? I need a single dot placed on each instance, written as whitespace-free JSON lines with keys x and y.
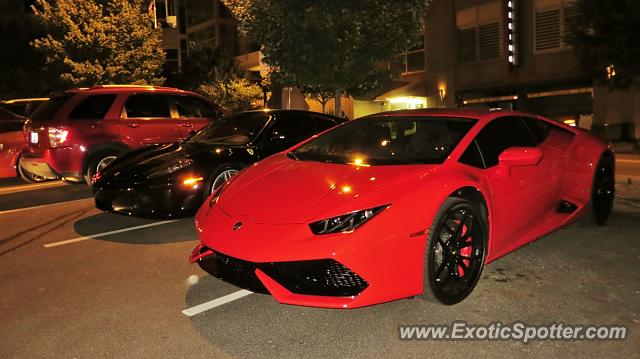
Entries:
{"x":566,"y":207}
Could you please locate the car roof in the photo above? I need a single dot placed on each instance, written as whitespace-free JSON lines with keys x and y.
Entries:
{"x":22,"y":100}
{"x":281,"y":110}
{"x":127,"y":89}
{"x":480,"y":113}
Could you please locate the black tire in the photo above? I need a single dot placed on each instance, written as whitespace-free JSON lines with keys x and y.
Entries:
{"x":603,"y":192}
{"x":212,"y":184}
{"x":98,"y":161}
{"x":30,"y":177}
{"x":455,"y":252}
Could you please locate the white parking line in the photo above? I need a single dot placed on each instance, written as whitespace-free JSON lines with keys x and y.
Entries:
{"x":104,"y":234}
{"x":28,"y":187}
{"x":44,"y":205}
{"x":190,"y":312}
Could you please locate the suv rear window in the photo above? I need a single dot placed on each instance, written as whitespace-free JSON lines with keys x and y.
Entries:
{"x":93,"y":107}
{"x":147,"y":105}
{"x":47,"y":110}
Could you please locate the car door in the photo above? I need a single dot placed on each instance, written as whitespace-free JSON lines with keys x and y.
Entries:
{"x":521,"y":195}
{"x":195,"y":113}
{"x":286,"y":130}
{"x":147,"y":119}
{"x":90,"y":121}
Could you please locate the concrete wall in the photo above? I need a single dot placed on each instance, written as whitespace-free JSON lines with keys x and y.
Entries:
{"x":616,"y":106}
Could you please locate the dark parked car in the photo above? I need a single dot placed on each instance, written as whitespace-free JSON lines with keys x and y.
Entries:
{"x":80,"y":131}
{"x":23,"y":106}
{"x":174,"y":180}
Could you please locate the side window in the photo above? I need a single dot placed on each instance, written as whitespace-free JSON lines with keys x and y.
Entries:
{"x":19,"y":108}
{"x":501,"y":134}
{"x":291,"y":128}
{"x":146,"y":105}
{"x":190,"y":106}
{"x":93,"y":107}
{"x":472,"y":156}
{"x":539,"y":129}
{"x":323,"y":123}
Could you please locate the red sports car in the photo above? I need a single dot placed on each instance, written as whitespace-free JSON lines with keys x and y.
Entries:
{"x":11,"y":142}
{"x":401,"y":204}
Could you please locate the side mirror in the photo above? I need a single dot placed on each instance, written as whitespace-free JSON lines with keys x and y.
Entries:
{"x":520,"y":156}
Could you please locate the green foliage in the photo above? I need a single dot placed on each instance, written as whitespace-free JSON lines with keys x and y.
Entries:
{"x":234,"y":94}
{"x":330,"y":44}
{"x":319,"y":94}
{"x":213,"y":72}
{"x":100,"y":42}
{"x":205,"y":64}
{"x":608,"y":34}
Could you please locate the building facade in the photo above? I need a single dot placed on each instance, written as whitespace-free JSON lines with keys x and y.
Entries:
{"x":185,"y":22}
{"x":506,"y":53}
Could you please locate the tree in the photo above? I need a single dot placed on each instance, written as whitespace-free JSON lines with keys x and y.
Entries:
{"x":319,"y":94}
{"x":100,"y":42}
{"x":333,"y":45}
{"x":606,"y":40}
{"x":214,"y":72}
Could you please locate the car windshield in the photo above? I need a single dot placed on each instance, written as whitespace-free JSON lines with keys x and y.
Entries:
{"x":387,"y":141}
{"x":239,"y":129}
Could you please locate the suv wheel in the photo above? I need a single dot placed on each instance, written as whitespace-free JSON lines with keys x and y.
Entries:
{"x":99,"y":161}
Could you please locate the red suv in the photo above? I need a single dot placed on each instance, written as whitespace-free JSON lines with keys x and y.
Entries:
{"x":78,"y":132}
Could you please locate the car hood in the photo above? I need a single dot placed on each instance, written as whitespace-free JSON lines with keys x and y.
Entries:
{"x":280,"y":190}
{"x":139,"y":165}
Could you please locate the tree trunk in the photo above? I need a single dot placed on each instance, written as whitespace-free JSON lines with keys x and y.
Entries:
{"x":338,"y":103}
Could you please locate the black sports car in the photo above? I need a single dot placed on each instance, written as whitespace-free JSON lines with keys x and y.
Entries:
{"x":173,"y":180}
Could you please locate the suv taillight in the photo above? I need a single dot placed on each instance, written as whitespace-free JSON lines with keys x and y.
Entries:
{"x":57,"y":136}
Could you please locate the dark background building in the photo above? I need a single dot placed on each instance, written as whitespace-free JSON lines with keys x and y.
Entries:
{"x":472,"y":60}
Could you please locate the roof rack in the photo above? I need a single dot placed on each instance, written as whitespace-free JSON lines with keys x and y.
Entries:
{"x":129,"y":86}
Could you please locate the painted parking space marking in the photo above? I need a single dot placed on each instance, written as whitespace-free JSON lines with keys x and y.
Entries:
{"x":44,"y":205}
{"x":200,"y":308}
{"x":104,"y":234}
{"x":29,"y":187}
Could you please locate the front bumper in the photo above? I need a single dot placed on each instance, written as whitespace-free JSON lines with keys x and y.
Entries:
{"x":54,"y":162}
{"x":347,"y":270}
{"x":38,"y":167}
{"x":323,"y":277}
{"x":165,"y":200}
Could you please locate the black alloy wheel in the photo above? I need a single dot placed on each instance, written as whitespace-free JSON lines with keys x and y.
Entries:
{"x":603,"y":191}
{"x":455,"y":253}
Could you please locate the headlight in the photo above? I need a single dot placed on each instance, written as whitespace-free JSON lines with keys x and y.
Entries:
{"x":346,"y":222}
{"x":176,"y":166}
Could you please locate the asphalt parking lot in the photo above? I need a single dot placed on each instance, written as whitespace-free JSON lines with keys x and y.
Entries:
{"x":78,"y":283}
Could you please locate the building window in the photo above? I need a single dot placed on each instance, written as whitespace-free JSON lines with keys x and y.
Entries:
{"x":409,"y":61}
{"x":171,"y":62}
{"x":205,"y":37}
{"x":478,"y":32}
{"x":553,"y":20}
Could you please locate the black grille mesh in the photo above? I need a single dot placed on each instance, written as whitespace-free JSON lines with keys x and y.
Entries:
{"x":324,"y":277}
